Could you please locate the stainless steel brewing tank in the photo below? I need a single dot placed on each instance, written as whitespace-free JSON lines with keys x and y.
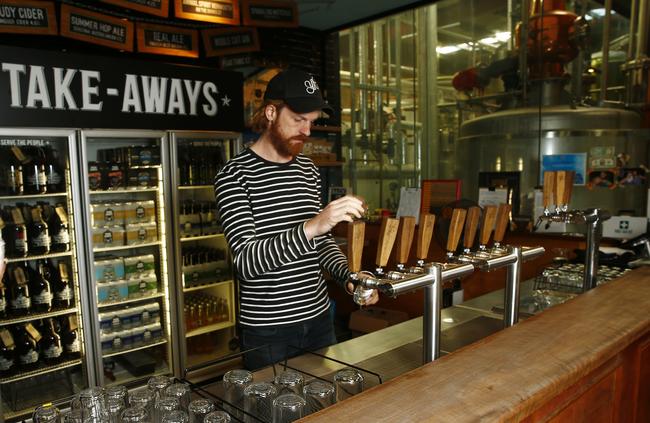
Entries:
{"x":513,"y":140}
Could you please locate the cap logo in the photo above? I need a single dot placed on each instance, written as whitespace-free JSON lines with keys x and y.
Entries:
{"x":311,"y":86}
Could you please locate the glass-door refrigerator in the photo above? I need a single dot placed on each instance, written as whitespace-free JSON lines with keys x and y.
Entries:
{"x":127,"y":225}
{"x":44,"y":330}
{"x":206,"y":288}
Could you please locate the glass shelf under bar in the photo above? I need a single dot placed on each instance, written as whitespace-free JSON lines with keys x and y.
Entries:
{"x":38,"y":257}
{"x":125,"y":247}
{"x":201,"y":237}
{"x":194,"y":187}
{"x":123,"y":191}
{"x":206,"y":286}
{"x":130,"y":300}
{"x":34,"y":316}
{"x":209,"y":328}
{"x":33,"y":196}
{"x":41,"y":371}
{"x":142,"y":347}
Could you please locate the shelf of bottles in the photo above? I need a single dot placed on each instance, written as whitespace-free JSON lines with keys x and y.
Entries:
{"x":208,"y":288}
{"x":129,"y":256}
{"x":40,"y":323}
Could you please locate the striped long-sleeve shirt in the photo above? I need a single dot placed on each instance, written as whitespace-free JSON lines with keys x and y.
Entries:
{"x":263,"y":207}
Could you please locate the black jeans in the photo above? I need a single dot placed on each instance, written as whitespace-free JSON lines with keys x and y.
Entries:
{"x":276,"y":341}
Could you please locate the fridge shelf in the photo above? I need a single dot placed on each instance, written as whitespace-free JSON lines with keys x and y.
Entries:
{"x":194,"y":187}
{"x":41,"y":371}
{"x":207,"y":285}
{"x":153,"y":344}
{"x":38,"y":257}
{"x":123,"y":191}
{"x":139,"y":380}
{"x":33,"y":196}
{"x":34,"y":316}
{"x":209,"y":328}
{"x":145,"y":167}
{"x":201,"y":237}
{"x":125,"y":247}
{"x":130,"y":300}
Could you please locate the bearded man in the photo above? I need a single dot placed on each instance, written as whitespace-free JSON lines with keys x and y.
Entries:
{"x":268,"y":199}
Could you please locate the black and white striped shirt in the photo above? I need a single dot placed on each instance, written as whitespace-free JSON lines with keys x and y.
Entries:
{"x":263,"y":207}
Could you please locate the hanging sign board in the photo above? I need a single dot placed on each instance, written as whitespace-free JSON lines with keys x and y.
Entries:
{"x":28,"y":17}
{"x":218,"y":11}
{"x":273,"y":13}
{"x":153,"y":7}
{"x":96,"y":28}
{"x":172,"y":41}
{"x":54,"y":89}
{"x":222,"y":41}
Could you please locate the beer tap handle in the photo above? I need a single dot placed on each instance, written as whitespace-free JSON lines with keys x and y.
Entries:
{"x":425,"y":233}
{"x":549,"y":190}
{"x":356,"y":233}
{"x":387,"y":235}
{"x":455,"y":229}
{"x":503,"y":216}
{"x":405,"y":238}
{"x":560,"y":188}
{"x":568,"y":187}
{"x":487,"y":224}
{"x":471,"y":226}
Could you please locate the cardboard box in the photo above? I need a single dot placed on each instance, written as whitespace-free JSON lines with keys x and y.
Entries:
{"x":624,"y":227}
{"x":371,"y":319}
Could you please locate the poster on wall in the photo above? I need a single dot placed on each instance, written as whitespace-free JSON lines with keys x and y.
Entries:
{"x":153,"y":7}
{"x":28,"y":17}
{"x":55,"y":89}
{"x":218,"y":11}
{"x":96,"y":28}
{"x":223,"y":41}
{"x":168,"y":40}
{"x":576,"y":162}
{"x":271,"y":13}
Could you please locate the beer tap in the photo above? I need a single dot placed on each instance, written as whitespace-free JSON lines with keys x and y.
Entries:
{"x":487,"y":224}
{"x":425,"y":233}
{"x":503,"y":217}
{"x":387,"y":235}
{"x":404,"y":241}
{"x":356,"y":233}
{"x":548,"y":193}
{"x":471,"y":226}
{"x":455,"y":228}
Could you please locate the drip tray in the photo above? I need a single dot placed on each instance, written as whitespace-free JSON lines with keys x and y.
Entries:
{"x":468,"y":332}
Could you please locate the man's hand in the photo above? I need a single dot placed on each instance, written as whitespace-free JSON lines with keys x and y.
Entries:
{"x":343,"y":209}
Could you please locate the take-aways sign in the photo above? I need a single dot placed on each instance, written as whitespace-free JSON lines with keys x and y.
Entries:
{"x":51,"y":89}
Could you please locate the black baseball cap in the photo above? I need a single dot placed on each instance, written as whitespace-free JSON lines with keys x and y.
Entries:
{"x":299,"y":90}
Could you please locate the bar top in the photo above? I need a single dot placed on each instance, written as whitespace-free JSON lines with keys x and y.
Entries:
{"x":510,"y":374}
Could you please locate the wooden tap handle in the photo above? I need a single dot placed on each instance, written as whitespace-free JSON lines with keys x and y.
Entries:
{"x":503,"y":216}
{"x":549,"y":189}
{"x":560,"y":187}
{"x":405,"y":238}
{"x":387,"y":235}
{"x":425,"y":233}
{"x":455,"y":229}
{"x":356,"y":233}
{"x":471,"y":226}
{"x":487,"y":223}
{"x":568,"y":187}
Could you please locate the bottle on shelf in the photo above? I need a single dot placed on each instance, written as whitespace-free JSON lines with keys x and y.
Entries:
{"x":20,"y":301}
{"x":34,"y":175}
{"x":14,"y":175}
{"x":50,"y":347}
{"x":17,"y":245}
{"x":60,"y":285}
{"x":70,"y":337}
{"x":54,"y":177}
{"x":7,"y":353}
{"x":40,"y":288}
{"x":58,"y":228}
{"x":26,"y":338}
{"x":38,"y":235}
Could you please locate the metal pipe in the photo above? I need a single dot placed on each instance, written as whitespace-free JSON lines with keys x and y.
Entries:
{"x":511,"y":298}
{"x":594,"y":233}
{"x":642,"y":30}
{"x":363,"y":77}
{"x":523,"y":49}
{"x":605,"y":64}
{"x":633,"y":27}
{"x":431,"y":324}
{"x":529,"y":253}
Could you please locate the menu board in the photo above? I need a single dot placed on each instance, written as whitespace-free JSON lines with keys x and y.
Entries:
{"x":173,"y":41}
{"x":273,"y":13}
{"x":153,"y":7}
{"x":222,"y":41}
{"x":219,"y":11}
{"x":27,"y":17}
{"x":96,"y":28}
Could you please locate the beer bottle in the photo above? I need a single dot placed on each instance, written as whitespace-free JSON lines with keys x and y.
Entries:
{"x":14,"y":176}
{"x":54,"y":176}
{"x":20,"y":302}
{"x":26,"y":338}
{"x":58,"y":228}
{"x":7,"y":353}
{"x":17,"y":242}
{"x":34,"y":175}
{"x":51,"y":349}
{"x":38,"y":235}
{"x":60,"y":284}
{"x":40,"y":289}
{"x":70,"y":337}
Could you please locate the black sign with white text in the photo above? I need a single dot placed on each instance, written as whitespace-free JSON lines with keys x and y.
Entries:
{"x":52,"y":89}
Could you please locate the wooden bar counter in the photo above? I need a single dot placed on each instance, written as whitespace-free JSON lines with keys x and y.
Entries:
{"x":587,"y":360}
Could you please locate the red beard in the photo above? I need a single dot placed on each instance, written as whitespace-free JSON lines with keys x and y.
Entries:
{"x":287,"y":147}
